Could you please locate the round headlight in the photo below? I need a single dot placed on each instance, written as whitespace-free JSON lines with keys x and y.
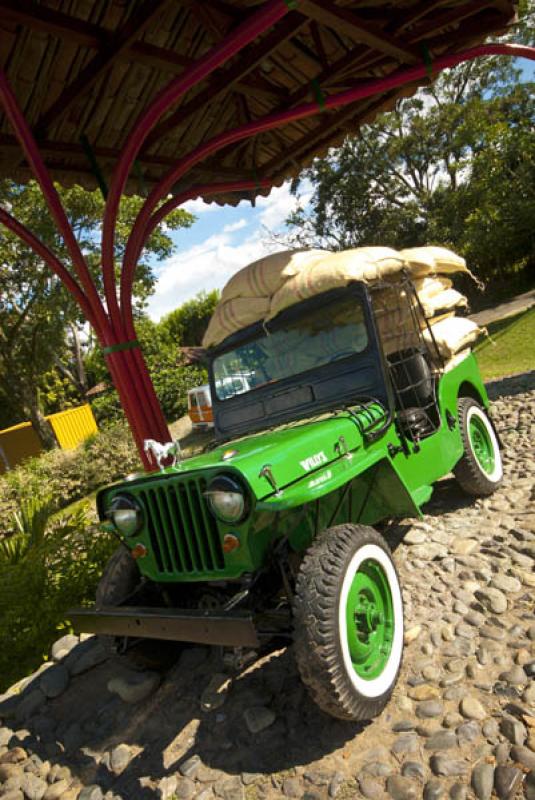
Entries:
{"x":126,"y":514}
{"x":226,"y":499}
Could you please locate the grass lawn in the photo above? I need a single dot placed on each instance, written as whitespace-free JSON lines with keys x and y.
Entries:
{"x":511,"y":347}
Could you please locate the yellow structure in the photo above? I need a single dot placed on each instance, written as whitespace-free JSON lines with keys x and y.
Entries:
{"x":70,"y":427}
{"x":73,"y":426}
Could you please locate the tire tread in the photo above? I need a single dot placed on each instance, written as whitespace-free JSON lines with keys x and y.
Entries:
{"x":316,"y":642}
{"x":468,"y":473}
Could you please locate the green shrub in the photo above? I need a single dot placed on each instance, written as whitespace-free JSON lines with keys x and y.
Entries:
{"x":50,"y":566}
{"x":62,"y":476}
{"x":107,"y":409}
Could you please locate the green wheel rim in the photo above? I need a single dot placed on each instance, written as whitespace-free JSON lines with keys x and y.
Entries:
{"x":370,"y":620}
{"x":481,"y":444}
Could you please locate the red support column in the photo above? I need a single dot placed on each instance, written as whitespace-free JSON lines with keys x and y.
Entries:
{"x":133,"y":362}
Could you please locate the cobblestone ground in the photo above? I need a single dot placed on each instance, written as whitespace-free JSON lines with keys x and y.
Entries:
{"x":461,"y":723}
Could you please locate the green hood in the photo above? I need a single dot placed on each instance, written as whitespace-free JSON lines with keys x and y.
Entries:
{"x":292,"y":452}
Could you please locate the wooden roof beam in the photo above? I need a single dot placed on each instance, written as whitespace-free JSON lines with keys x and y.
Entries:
{"x":349,"y":24}
{"x":321,"y":136}
{"x":454,"y":16}
{"x":227,"y":79}
{"x":101,"y":62}
{"x":38,"y":17}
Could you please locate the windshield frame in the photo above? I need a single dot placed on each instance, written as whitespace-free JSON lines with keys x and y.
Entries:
{"x":372,"y":354}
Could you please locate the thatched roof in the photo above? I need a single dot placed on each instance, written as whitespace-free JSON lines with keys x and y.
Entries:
{"x":84,"y":69}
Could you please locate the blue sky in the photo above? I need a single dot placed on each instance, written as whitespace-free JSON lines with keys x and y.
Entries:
{"x":224,"y":239}
{"x":221,"y":241}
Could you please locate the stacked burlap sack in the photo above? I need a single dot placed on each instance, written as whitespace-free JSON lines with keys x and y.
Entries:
{"x":263,"y":289}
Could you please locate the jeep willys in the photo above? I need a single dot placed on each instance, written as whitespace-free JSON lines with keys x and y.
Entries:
{"x":348,"y":415}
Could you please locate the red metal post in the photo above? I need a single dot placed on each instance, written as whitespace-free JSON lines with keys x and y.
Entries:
{"x":132,"y":361}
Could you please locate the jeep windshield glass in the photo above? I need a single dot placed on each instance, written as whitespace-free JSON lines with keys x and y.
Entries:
{"x":318,"y":337}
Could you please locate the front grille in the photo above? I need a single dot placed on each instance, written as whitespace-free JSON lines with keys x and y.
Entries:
{"x":182,"y":531}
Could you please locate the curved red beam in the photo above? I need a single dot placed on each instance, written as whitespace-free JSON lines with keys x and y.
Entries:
{"x":127,"y":276}
{"x":49,"y":258}
{"x":30,"y":149}
{"x":363,"y":90}
{"x":270,"y":13}
{"x":64,"y":275}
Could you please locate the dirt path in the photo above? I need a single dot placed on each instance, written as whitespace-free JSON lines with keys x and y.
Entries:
{"x":519,"y":303}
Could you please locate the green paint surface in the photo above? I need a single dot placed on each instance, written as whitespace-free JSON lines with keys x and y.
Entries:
{"x":369,"y":620}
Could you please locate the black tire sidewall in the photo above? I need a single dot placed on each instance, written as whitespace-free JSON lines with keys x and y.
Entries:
{"x":319,"y":644}
{"x":471,"y":476}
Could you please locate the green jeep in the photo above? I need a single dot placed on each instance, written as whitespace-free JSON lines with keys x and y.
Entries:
{"x":322,"y":429}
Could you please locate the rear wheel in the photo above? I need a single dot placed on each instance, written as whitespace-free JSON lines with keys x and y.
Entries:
{"x":348,"y":616}
{"x":479,"y":471}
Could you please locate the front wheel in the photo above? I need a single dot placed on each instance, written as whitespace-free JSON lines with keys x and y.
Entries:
{"x":348,"y":616}
{"x":479,"y":471}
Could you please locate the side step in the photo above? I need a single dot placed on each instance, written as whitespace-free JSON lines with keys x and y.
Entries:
{"x":231,"y":629}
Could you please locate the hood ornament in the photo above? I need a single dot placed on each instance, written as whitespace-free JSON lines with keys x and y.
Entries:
{"x":158,"y":453}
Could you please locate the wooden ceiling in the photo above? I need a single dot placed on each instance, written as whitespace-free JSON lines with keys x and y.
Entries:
{"x":83,"y":70}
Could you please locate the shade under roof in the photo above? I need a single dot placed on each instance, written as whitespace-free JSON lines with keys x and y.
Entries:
{"x":83,"y":70}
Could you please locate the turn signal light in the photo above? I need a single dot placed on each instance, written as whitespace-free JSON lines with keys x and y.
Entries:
{"x":230,"y":543}
{"x":139,"y":551}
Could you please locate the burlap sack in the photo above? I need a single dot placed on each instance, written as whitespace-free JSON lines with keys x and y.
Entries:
{"x":430,"y":285}
{"x":431,"y":259}
{"x":333,"y":270}
{"x":262,"y":278}
{"x":443,"y":301}
{"x":453,"y":335}
{"x":233,"y":315}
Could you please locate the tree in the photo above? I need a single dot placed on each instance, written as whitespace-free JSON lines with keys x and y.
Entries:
{"x":187,"y":324}
{"x":452,"y":165}
{"x":40,"y":323}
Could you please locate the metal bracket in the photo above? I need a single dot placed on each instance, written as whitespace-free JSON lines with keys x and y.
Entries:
{"x":394,"y":449}
{"x":267,"y":473}
{"x":342,"y":448}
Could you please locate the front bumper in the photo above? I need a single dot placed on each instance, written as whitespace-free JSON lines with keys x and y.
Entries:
{"x":230,"y":629}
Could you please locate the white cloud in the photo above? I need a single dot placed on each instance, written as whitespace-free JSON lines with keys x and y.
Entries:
{"x":277,"y":207}
{"x":209,"y":265}
{"x":235,"y":226}
{"x":203,"y":267}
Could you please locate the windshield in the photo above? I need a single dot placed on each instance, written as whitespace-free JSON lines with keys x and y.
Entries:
{"x":318,"y":337}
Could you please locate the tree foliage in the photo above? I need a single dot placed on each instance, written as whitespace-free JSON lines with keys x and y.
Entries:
{"x":41,"y":365}
{"x":454,"y":165}
{"x":187,"y":324}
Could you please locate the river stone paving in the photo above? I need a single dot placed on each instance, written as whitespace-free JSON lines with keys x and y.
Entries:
{"x":461,"y":722}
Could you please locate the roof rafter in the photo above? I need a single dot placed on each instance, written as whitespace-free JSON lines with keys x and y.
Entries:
{"x":101,"y":62}
{"x":349,"y":24}
{"x":323,"y":132}
{"x":56,"y":23}
{"x":228,"y":78}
